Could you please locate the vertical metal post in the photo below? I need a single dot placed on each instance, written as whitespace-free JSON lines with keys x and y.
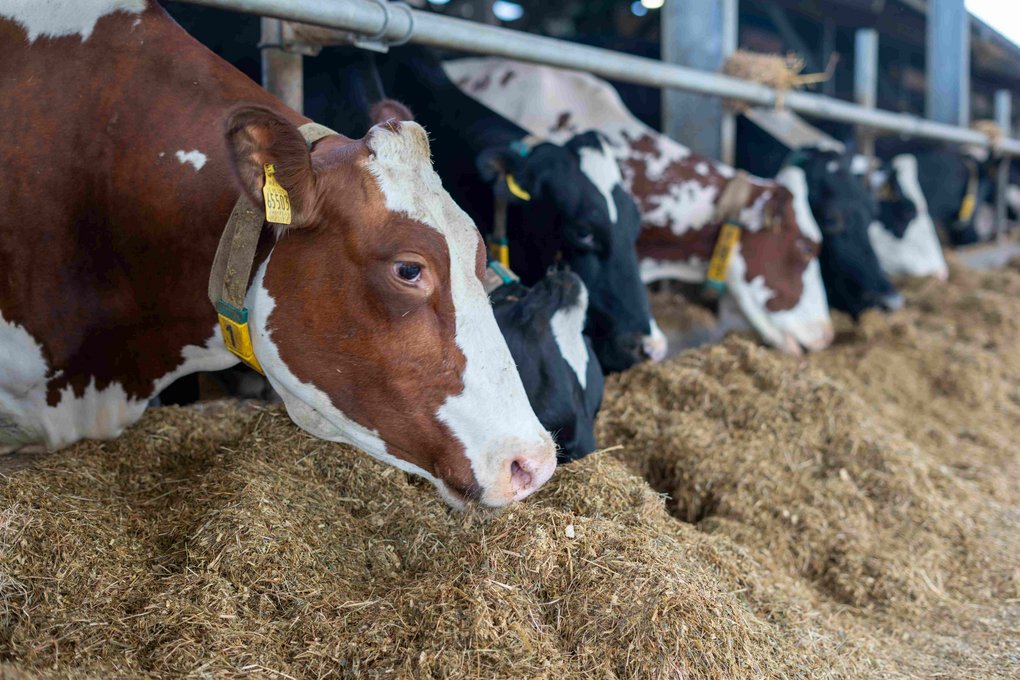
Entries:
{"x":1004,"y":119}
{"x":828,"y":48}
{"x":700,"y":35}
{"x":866,"y":82}
{"x":948,"y":62}
{"x":282,"y":72}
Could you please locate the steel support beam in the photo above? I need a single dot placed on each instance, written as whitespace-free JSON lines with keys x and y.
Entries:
{"x":367,"y":17}
{"x":282,"y":72}
{"x":866,"y":82}
{"x":948,"y":62}
{"x":1004,"y":119}
{"x":698,"y":35}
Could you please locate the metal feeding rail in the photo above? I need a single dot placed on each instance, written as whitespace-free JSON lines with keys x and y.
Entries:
{"x":395,"y":24}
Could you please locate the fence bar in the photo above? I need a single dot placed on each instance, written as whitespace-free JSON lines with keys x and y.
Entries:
{"x":693,"y":34}
{"x":1004,"y":119}
{"x":365,"y":16}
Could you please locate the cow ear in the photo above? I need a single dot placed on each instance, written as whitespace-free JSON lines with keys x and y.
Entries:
{"x":498,"y":160}
{"x":386,"y":110}
{"x":257,"y":136}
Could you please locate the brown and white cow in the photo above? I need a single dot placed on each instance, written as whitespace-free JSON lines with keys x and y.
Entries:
{"x":124,"y":145}
{"x":774,"y":279}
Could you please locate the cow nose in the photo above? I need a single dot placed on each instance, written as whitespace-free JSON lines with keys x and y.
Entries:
{"x":822,"y":339}
{"x":655,"y":346}
{"x":942,"y":275}
{"x":891,"y":302}
{"x":529,"y":473}
{"x":632,"y":345}
{"x":790,"y":344}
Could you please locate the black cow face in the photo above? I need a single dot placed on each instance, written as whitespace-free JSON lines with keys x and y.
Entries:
{"x":895,"y":210}
{"x":580,"y":217}
{"x":561,"y":375}
{"x":844,"y":210}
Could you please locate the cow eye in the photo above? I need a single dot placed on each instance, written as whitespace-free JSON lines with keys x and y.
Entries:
{"x":408,"y":271}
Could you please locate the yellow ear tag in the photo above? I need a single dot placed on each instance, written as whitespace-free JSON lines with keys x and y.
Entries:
{"x":516,"y":189}
{"x":277,"y":200}
{"x":967,"y":207}
{"x":729,"y":236}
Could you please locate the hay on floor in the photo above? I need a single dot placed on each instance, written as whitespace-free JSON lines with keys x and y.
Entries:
{"x":849,"y":515}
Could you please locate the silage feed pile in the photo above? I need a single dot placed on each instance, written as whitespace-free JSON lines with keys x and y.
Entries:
{"x":854,"y":514}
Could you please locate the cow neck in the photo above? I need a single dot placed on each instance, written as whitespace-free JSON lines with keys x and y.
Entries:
{"x":235,"y":255}
{"x":727,"y":209}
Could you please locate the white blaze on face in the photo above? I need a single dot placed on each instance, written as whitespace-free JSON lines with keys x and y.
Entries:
{"x":656,"y":344}
{"x":919,"y":252}
{"x":567,"y":329}
{"x":600,"y":167}
{"x":53,"y":19}
{"x":491,"y":417}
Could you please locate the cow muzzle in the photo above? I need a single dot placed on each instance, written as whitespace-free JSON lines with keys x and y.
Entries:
{"x":520,"y":476}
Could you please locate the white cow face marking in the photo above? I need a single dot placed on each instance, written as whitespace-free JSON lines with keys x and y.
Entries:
{"x":567,"y":328}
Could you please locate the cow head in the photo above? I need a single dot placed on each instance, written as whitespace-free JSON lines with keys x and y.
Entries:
{"x":774,"y":278}
{"x":579,"y":215}
{"x":904,"y":238}
{"x":369,"y":316}
{"x":543,"y":327}
{"x":844,"y":210}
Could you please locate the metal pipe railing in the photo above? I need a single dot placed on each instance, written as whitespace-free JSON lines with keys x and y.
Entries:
{"x":369,"y":18}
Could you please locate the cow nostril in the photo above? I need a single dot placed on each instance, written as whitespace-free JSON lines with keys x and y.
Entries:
{"x":520,"y":476}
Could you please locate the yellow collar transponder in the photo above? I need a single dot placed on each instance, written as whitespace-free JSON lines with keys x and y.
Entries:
{"x":725,"y":244}
{"x":969,"y":203}
{"x":231,"y":268}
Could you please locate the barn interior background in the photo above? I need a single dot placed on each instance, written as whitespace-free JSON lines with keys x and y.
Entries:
{"x":854,"y":513}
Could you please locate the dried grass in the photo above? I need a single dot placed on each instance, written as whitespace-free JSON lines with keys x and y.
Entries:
{"x":851,"y":515}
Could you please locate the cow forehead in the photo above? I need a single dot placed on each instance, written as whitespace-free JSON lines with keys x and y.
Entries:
{"x":600,"y":167}
{"x":402,"y":166}
{"x":56,"y":19}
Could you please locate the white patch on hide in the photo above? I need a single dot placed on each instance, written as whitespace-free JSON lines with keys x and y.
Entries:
{"x":195,"y":157}
{"x":56,"y":18}
{"x":27,"y":418}
{"x":601,"y":169}
{"x":567,"y":329}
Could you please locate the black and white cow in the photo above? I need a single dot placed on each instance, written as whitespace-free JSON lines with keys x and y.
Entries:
{"x":578,"y":214}
{"x":954,"y":183}
{"x":561,"y":375}
{"x":844,"y":211}
{"x":903,"y":236}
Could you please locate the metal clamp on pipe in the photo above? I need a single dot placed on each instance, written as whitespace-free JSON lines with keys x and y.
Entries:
{"x":377,"y":42}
